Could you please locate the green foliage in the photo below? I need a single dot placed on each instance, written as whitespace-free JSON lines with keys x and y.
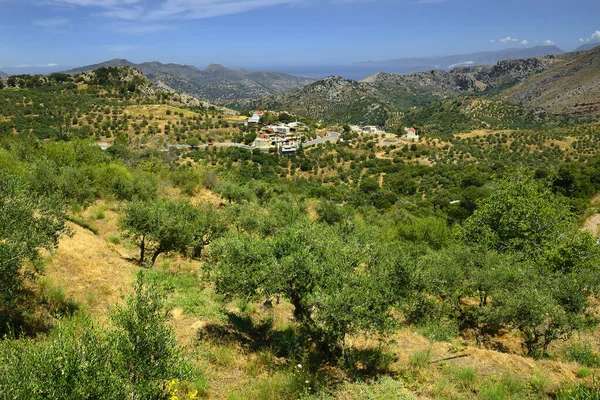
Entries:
{"x":583,"y":354}
{"x":73,"y":363}
{"x":467,"y":114}
{"x":579,"y":392}
{"x":335,"y":282}
{"x":519,"y":216}
{"x":82,"y":361}
{"x":171,"y":226}
{"x":148,"y":351}
{"x":28,"y":223}
{"x":547,"y":295}
{"x":330,"y":213}
{"x":432,"y":231}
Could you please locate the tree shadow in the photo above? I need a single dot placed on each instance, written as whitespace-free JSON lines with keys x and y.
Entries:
{"x":291,"y":343}
{"x":368,"y":363}
{"x":255,"y":336}
{"x":35,"y":313}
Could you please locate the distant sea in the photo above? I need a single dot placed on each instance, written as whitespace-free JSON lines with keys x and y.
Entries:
{"x":356,"y":72}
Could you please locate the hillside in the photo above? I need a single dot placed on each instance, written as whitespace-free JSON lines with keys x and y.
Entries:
{"x":112,"y":104}
{"x":368,"y":268}
{"x":331,"y":99}
{"x":587,"y":46}
{"x":215,"y":83}
{"x":3,"y":75}
{"x":378,"y":98}
{"x":571,"y":86}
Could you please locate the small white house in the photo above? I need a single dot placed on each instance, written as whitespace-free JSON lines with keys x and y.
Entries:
{"x":254,"y":119}
{"x":372,"y":130}
{"x":281,"y":129}
{"x":294,"y":124}
{"x":369,"y":129}
{"x":411,"y":134}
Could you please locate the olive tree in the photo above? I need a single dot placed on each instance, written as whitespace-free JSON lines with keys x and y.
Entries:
{"x":147,"y":351}
{"x":171,"y":226}
{"x":28,"y":223}
{"x":335,"y":280}
{"x":546,"y":292}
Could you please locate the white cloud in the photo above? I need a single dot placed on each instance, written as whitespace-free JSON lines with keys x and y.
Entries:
{"x":594,"y":38}
{"x":492,"y":41}
{"x":524,"y":42}
{"x":548,"y":42}
{"x":508,"y":39}
{"x":51,"y":22}
{"x":141,"y":29}
{"x":146,"y":10}
{"x":36,"y":66}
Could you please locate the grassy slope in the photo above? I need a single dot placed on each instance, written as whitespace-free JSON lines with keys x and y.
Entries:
{"x":95,"y":269}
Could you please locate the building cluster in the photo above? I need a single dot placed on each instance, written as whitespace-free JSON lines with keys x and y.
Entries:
{"x":285,"y":138}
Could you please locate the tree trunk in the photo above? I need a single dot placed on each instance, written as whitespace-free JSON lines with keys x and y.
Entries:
{"x":155,"y":256}
{"x":143,"y":250}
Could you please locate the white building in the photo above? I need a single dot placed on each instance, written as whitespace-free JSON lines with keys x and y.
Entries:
{"x":411,"y":134}
{"x":281,"y":129}
{"x":372,"y":130}
{"x":369,"y":129}
{"x":254,"y":119}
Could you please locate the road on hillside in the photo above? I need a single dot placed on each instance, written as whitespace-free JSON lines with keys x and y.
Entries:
{"x":332,"y":136}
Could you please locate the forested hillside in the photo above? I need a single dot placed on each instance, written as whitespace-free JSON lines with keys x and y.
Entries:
{"x":366,"y":268}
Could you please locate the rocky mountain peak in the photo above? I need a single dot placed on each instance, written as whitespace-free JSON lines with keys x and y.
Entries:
{"x":216,"y":68}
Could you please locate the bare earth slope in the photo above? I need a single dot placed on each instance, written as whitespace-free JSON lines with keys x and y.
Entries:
{"x":569,"y":87}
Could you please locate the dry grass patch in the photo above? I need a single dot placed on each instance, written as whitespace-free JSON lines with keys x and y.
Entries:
{"x":89,"y":272}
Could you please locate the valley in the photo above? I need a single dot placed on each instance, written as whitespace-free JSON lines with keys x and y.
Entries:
{"x":423,"y":236}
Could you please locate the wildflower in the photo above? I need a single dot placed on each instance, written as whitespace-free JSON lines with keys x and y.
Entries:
{"x":299,"y":365}
{"x":172,"y":387}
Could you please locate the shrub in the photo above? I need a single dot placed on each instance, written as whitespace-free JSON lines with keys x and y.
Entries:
{"x":583,"y":354}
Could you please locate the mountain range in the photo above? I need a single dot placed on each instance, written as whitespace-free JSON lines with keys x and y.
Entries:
{"x":216,"y":83}
{"x":453,"y":61}
{"x":3,"y":75}
{"x":376,"y":99}
{"x":567,"y":84}
{"x":587,"y":46}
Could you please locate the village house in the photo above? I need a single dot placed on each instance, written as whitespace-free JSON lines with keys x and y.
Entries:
{"x":255,"y":118}
{"x":280,"y":129}
{"x":372,"y":130}
{"x":411,"y":134}
{"x":288,"y":147}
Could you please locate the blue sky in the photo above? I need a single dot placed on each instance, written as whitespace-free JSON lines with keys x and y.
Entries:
{"x":245,"y":33}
